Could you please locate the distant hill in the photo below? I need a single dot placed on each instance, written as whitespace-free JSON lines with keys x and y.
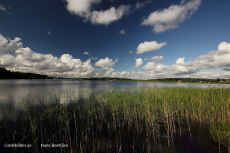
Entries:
{"x":6,"y":74}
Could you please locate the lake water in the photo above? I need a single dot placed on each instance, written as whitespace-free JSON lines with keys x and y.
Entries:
{"x":63,"y":90}
{"x":14,"y":93}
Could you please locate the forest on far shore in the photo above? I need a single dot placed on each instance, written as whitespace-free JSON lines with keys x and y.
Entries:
{"x":6,"y":74}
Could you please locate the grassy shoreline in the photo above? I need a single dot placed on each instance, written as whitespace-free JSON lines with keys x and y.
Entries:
{"x":147,"y":119}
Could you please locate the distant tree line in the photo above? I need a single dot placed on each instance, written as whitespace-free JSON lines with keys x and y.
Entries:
{"x":195,"y":80}
{"x":6,"y":74}
{"x":218,"y":80}
{"x":105,"y":79}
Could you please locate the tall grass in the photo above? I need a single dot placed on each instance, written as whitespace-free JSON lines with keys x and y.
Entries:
{"x":147,"y":119}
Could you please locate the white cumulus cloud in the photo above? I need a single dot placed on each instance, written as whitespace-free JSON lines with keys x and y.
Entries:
{"x":9,"y":45}
{"x":108,"y":16}
{"x":83,"y":8}
{"x":154,"y":67}
{"x":80,"y":7}
{"x":124,"y":74}
{"x":213,"y":59}
{"x":86,"y":53}
{"x":106,"y":63}
{"x":138,"y":62}
{"x":122,"y":31}
{"x":180,"y":61}
{"x":171,"y":17}
{"x":149,"y":46}
{"x":224,"y":46}
{"x":14,"y":56}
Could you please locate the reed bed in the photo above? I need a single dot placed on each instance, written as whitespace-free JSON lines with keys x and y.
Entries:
{"x":146,"y":119}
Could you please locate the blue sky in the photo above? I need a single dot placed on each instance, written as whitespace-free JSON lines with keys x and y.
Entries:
{"x":134,"y":39}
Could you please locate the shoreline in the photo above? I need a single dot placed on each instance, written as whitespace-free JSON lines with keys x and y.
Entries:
{"x":123,"y":81}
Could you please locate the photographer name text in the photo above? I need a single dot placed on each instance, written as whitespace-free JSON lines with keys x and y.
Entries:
{"x":54,"y":145}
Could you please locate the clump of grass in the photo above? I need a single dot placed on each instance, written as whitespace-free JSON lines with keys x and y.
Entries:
{"x":147,"y":119}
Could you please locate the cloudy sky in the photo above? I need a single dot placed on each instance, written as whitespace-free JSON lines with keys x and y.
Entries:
{"x":142,"y":39}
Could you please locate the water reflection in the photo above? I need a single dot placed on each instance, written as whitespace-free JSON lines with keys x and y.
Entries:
{"x":15,"y":93}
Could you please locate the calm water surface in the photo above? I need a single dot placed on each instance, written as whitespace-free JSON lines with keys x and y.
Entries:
{"x":14,"y":93}
{"x":18,"y":90}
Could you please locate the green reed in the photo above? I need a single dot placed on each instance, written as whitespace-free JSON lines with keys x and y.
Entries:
{"x":147,"y":119}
